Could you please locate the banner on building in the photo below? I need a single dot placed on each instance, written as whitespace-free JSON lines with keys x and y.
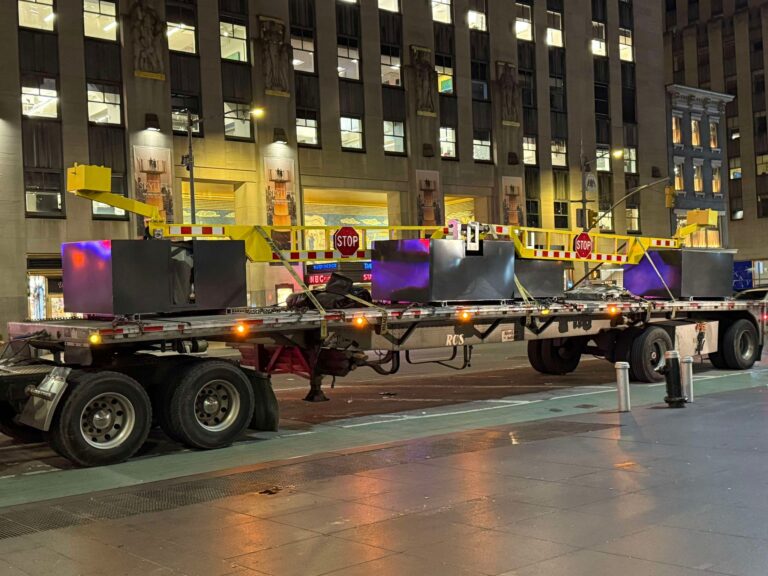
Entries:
{"x":281,"y":196}
{"x":513,"y":201}
{"x":153,"y":180}
{"x":431,"y":203}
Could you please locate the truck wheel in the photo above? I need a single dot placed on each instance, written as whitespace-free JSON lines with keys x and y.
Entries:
{"x":211,"y":405}
{"x":647,"y":353}
{"x":18,"y":432}
{"x":535,"y":356}
{"x":624,"y":348}
{"x":740,"y":345}
{"x":563,"y":357}
{"x":266,"y":410}
{"x":717,"y":360}
{"x":104,"y":419}
{"x":163,"y":385}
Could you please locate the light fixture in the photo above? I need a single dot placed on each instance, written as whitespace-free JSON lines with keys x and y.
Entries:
{"x":618,"y":153}
{"x":258,"y":112}
{"x":279,"y":136}
{"x":297,"y":62}
{"x":151,"y":122}
{"x":111,"y":26}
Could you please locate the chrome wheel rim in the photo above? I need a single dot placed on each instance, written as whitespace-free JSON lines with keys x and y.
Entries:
{"x":217,"y":405}
{"x":107,"y":420}
{"x":746,"y":346}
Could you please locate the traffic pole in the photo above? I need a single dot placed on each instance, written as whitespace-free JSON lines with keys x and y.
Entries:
{"x":686,"y":378}
{"x":622,"y":386}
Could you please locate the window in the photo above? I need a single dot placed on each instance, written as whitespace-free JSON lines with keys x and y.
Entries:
{"x":390,"y":66}
{"x":237,"y":121}
{"x":633,"y":219}
{"x":714,"y":128}
{"x":481,"y":146}
{"x":234,"y":41}
{"x":524,"y":22}
{"x":698,"y":179}
{"x":679,"y":178}
{"x":626,"y":50}
{"x":348,"y":58}
{"x":394,"y":137}
{"x":696,"y":132}
{"x":476,"y":20}
{"x":181,"y":38}
{"x":529,"y":150}
{"x":444,"y":69}
{"x":761,"y":162}
{"x":106,"y":147}
{"x":303,"y":43}
{"x":554,"y":29}
{"x":734,"y":131}
{"x":40,"y":99}
{"x":42,"y":191}
{"x":180,"y":104}
{"x":37,"y":14}
{"x":306,"y":128}
{"x":599,"y":45}
{"x":480,"y":89}
{"x":447,"y":142}
{"x":561,"y":215}
{"x":677,"y":130}
{"x":603,"y":163}
{"x":104,"y":104}
{"x":100,"y":19}
{"x":351,"y":133}
{"x":390,"y":5}
{"x":717,"y":179}
{"x":441,"y":11}
{"x":734,"y":169}
{"x":559,"y":152}
{"x":630,"y":160}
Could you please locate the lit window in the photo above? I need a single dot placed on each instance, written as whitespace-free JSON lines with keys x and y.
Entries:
{"x":717,"y":177}
{"x":394,"y":137}
{"x":677,"y":130}
{"x":181,"y":38}
{"x":237,"y":121}
{"x":599,"y":45}
{"x":761,"y":162}
{"x":695,"y":132}
{"x":630,"y":160}
{"x":351,"y":133}
{"x":303,"y":44}
{"x":100,"y":19}
{"x":390,"y":66}
{"x":348,"y":59}
{"x":554,"y":28}
{"x":40,"y":99}
{"x":481,"y":146}
{"x":561,"y":215}
{"x":603,"y":159}
{"x":42,"y":192}
{"x":444,"y":69}
{"x":476,"y":20}
{"x":529,"y":150}
{"x":524,"y":22}
{"x":390,"y":5}
{"x":698,"y":179}
{"x":441,"y":11}
{"x":714,"y":137}
{"x":180,"y":104}
{"x":559,"y":152}
{"x":104,"y":104}
{"x":679,"y":179}
{"x":306,"y":128}
{"x":734,"y":132}
{"x":37,"y":14}
{"x":626,"y":50}
{"x":234,"y":41}
{"x":447,"y":142}
{"x":633,"y":219}
{"x":734,"y":169}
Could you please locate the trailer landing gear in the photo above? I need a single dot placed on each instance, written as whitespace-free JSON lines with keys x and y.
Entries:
{"x":316,"y":393}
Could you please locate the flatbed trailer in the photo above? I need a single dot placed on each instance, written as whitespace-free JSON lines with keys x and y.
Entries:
{"x":96,"y":386}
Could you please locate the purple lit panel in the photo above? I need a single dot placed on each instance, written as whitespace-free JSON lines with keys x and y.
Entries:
{"x":401,"y":270}
{"x":87,"y":276}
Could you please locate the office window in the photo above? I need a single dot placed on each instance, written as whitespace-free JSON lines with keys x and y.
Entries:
{"x":734,"y":131}
{"x":444,"y":69}
{"x":677,"y":130}
{"x":561,"y":215}
{"x":394,"y":137}
{"x":390,"y":5}
{"x":40,"y":99}
{"x":714,"y":138}
{"x":237,"y":121}
{"x":679,"y":177}
{"x":559,"y":152}
{"x":37,"y":14}
{"x":42,"y":190}
{"x":180,"y":104}
{"x":104,"y":104}
{"x":626,"y":50}
{"x":441,"y":11}
{"x":734,"y":169}
{"x":303,"y":43}
{"x":181,"y":38}
{"x":306,"y":128}
{"x":481,"y":146}
{"x":761,"y":163}
{"x":599,"y":44}
{"x":106,"y":147}
{"x":390,"y":66}
{"x":524,"y":22}
{"x":476,"y":20}
{"x":717,"y":177}
{"x":696,"y":132}
{"x":351,"y":133}
{"x":554,"y":29}
{"x":530,"y":156}
{"x":698,"y":179}
{"x":633,"y":219}
{"x":100,"y":19}
{"x":603,"y":162}
{"x":447,"y":142}
{"x":234,"y":41}
{"x":630,"y":160}
{"x":348,"y":58}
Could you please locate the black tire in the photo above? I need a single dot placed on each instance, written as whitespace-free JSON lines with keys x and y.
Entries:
{"x":647,"y":353}
{"x":266,"y":410}
{"x":114,"y":400}
{"x":20,"y":433}
{"x":717,"y":360}
{"x":535,"y":356}
{"x":561,"y":357}
{"x":164,"y":382}
{"x":623,"y":349}
{"x":211,"y":404}
{"x":740,"y":345}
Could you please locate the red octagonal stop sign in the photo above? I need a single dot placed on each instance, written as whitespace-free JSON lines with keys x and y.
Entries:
{"x":346,"y":240}
{"x":583,"y":245}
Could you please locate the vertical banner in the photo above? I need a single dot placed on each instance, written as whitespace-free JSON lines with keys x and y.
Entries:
{"x":281,"y":198}
{"x":431,"y":204}
{"x":153,"y":180}
{"x":514,"y":202}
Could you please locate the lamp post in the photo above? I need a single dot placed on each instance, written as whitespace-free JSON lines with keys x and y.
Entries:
{"x":626,"y":196}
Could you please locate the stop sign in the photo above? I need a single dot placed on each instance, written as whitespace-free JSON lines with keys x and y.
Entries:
{"x":346,"y":240}
{"x":583,"y":245}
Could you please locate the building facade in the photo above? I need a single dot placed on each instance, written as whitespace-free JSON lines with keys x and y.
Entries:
{"x":322,"y":112}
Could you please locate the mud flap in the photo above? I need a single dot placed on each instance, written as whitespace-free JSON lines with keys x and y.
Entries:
{"x":266,"y":410}
{"x":44,"y":398}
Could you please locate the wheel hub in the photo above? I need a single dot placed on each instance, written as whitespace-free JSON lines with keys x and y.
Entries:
{"x":102,"y":419}
{"x":211,"y":405}
{"x":107,"y":420}
{"x":217,"y":405}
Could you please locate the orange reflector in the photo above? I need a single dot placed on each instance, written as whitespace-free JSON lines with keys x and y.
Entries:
{"x":360,"y":321}
{"x":94,"y":338}
{"x":465,"y":316}
{"x":241,"y":329}
{"x":613,"y":310}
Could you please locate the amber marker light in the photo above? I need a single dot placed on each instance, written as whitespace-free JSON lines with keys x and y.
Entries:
{"x":240,"y":329}
{"x":359,"y":321}
{"x":94,"y":338}
{"x":465,"y":316}
{"x":613,"y":310}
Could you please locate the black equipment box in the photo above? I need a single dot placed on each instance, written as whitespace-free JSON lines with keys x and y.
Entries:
{"x":541,"y":278}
